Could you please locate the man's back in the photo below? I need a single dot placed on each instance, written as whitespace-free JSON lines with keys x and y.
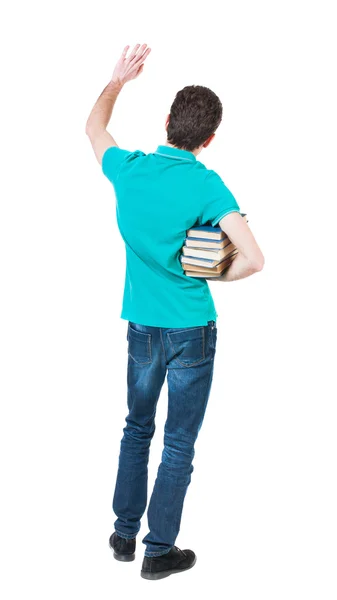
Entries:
{"x":159,"y":196}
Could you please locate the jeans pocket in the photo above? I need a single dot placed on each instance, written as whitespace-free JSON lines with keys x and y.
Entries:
{"x":139,"y":346}
{"x":188,"y":345}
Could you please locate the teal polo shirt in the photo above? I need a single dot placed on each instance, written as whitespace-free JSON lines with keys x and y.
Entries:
{"x":158,"y":197}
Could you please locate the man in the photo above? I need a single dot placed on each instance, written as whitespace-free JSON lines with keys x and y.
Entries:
{"x":171,"y":317}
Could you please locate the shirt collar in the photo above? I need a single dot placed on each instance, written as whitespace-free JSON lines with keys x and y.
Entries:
{"x":175,"y":153}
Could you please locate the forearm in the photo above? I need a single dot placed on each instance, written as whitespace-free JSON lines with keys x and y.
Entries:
{"x":126,"y":69}
{"x":101,"y":113}
{"x":240,"y":268}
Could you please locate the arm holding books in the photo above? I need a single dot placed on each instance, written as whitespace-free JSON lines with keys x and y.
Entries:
{"x":126,"y":69}
{"x":249,"y":259}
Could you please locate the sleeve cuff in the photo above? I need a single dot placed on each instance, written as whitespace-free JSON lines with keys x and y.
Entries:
{"x":222,"y":215}
{"x":104,"y":159}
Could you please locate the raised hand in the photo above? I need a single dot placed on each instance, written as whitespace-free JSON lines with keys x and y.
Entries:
{"x":129,"y":67}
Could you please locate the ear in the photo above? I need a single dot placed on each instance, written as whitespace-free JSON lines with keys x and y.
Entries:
{"x":167,"y":121}
{"x":208,"y":141}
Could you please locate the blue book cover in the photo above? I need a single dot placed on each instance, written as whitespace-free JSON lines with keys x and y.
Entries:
{"x":207,"y":228}
{"x":205,"y":260}
{"x":197,"y":239}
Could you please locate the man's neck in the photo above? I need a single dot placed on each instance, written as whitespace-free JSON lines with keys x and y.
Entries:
{"x":195,"y":152}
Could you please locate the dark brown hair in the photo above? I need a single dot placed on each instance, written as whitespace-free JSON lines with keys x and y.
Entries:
{"x":195,"y":114}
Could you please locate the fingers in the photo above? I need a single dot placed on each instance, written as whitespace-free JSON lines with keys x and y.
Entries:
{"x":146,"y":53}
{"x":139,"y":54}
{"x":142,"y":50}
{"x":134,"y":52}
{"x":125,"y":51}
{"x":129,"y":67}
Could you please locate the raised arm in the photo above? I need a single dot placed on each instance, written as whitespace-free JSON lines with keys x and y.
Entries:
{"x":126,"y":69}
{"x":249,"y":259}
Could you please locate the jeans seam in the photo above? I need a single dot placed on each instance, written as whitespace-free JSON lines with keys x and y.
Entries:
{"x":150,"y":347}
{"x":208,"y":394}
{"x":126,"y":536}
{"x":162,"y":343}
{"x":213,"y":337}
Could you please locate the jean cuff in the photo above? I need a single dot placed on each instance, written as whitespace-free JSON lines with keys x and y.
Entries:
{"x":126,"y":536}
{"x":153,"y":554}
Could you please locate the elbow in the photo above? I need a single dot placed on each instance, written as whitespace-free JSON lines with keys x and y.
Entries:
{"x":93,"y":129}
{"x":257,"y":263}
{"x":88,"y":129}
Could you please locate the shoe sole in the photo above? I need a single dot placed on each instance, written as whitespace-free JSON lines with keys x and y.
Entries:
{"x":163,"y":574}
{"x":123,"y":557}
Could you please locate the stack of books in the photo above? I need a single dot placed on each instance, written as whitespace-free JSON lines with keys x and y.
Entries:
{"x":207,"y":251}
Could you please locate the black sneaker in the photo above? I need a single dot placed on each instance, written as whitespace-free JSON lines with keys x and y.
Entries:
{"x":175,"y":561}
{"x":123,"y":549}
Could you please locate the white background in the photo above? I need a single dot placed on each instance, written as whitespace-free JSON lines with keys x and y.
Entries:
{"x":261,"y":509}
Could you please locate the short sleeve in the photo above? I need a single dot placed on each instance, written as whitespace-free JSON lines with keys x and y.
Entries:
{"x":112,"y":160}
{"x":217,"y":200}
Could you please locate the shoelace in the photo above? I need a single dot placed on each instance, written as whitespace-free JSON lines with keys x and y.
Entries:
{"x":181,"y":551}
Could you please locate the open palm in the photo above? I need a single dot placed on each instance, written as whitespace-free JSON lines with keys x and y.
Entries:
{"x":129,"y":67}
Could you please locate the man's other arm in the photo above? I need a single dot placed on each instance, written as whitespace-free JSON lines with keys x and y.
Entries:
{"x":249,"y":259}
{"x":126,"y":69}
{"x":99,"y":118}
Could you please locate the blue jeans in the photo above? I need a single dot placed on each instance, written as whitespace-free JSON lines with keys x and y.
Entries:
{"x":187,"y":356}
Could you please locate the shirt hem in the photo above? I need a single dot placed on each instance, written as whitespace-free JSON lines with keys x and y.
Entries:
{"x":200,"y":322}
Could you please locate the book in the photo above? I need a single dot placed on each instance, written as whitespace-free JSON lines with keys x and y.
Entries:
{"x":203,"y":274}
{"x":211,"y":254}
{"x":211,"y":272}
{"x":208,"y":232}
{"x":206,"y":263}
{"x":207,"y":251}
{"x":194,"y":242}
